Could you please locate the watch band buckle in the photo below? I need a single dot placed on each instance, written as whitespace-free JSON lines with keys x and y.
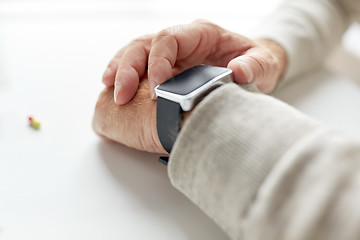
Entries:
{"x":164,"y":160}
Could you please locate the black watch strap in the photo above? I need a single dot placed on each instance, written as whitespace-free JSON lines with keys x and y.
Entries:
{"x":168,"y":122}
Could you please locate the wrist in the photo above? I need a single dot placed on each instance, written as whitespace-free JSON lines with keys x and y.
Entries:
{"x":185,"y":116}
{"x":180,"y":94}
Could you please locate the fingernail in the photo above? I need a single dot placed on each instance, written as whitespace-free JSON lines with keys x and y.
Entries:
{"x":152,"y":91}
{"x":246,"y":70}
{"x":153,"y":96}
{"x":117,"y":87}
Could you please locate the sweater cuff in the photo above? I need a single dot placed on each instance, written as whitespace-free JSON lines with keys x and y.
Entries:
{"x":228,"y":146}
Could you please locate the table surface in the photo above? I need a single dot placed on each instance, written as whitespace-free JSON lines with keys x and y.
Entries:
{"x":63,"y":181}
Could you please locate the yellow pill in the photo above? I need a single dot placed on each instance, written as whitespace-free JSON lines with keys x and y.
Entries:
{"x":35,"y":124}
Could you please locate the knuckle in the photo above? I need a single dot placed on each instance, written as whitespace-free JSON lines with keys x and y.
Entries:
{"x":266,"y":65}
{"x":142,"y":40}
{"x":158,"y":60}
{"x":200,"y":20}
{"x":263,"y":64}
{"x":206,"y":24}
{"x":112,"y":65}
{"x":168,"y":32}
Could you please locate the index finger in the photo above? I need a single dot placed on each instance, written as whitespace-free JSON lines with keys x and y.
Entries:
{"x":131,"y":68}
{"x":190,"y":44}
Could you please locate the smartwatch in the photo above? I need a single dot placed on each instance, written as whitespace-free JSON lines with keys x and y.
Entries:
{"x":182,"y":93}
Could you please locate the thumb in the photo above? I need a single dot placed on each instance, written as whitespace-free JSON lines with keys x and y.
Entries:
{"x":255,"y":66}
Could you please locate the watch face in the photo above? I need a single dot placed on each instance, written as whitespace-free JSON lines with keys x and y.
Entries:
{"x":189,"y":87}
{"x":193,"y":78}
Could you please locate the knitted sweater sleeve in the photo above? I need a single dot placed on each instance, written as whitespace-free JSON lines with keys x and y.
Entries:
{"x":308,"y":30}
{"x":262,"y":170}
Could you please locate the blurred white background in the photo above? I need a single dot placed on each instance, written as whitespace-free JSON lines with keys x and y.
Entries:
{"x":64,"y":182}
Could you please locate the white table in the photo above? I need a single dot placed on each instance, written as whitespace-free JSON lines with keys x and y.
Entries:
{"x":63,"y":181}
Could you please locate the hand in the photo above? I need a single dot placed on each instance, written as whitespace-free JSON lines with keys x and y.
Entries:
{"x":177,"y":48}
{"x":133,"y":124}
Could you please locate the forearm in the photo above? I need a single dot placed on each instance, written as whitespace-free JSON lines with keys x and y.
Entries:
{"x":311,"y":193}
{"x":225,"y":156}
{"x":228,"y":146}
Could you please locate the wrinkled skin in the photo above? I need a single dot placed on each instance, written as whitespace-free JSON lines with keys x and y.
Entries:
{"x":132,"y":124}
{"x":131,"y":118}
{"x":180,"y":47}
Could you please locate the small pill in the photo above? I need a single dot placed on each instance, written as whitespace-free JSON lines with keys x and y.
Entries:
{"x":34,"y":123}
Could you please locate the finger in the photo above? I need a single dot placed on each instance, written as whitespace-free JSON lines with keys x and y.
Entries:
{"x":109,"y":74}
{"x":191,"y":42}
{"x":257,"y":66}
{"x":131,"y":68}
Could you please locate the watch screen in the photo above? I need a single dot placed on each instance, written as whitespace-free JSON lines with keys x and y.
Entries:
{"x":191,"y":79}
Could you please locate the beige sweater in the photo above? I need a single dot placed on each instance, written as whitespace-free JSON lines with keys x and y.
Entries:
{"x":263,"y":170}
